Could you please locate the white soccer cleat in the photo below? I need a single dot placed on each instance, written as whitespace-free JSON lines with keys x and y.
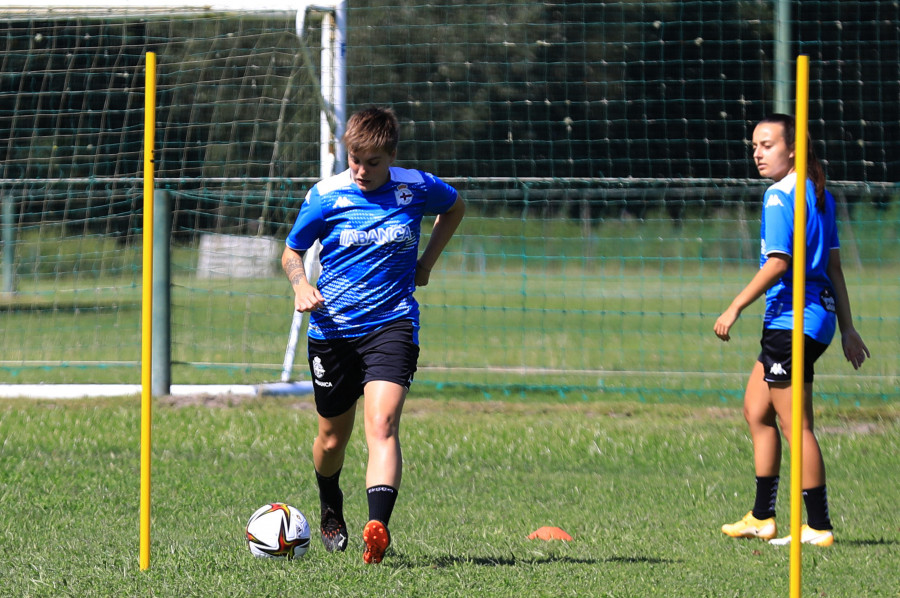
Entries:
{"x":808,"y":535}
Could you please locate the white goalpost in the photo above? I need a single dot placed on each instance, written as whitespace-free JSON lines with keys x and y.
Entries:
{"x":326,"y":19}
{"x":333,"y":83}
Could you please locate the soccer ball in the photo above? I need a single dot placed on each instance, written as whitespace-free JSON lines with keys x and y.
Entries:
{"x":278,"y":530}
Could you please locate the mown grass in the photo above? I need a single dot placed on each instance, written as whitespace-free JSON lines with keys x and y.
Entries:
{"x":642,"y":489}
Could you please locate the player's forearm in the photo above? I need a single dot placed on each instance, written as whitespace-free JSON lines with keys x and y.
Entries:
{"x":306,"y":296}
{"x":774,"y":268}
{"x":444,"y":227}
{"x":841,"y":295}
{"x":292,"y":264}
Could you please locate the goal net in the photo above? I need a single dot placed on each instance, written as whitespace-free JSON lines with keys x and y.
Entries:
{"x":237,"y":146}
{"x":602,"y":147}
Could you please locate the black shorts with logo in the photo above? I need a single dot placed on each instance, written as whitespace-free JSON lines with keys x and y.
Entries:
{"x":341,"y":367}
{"x":776,"y":355}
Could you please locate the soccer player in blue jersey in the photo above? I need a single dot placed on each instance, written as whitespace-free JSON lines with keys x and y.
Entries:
{"x":767,"y":399}
{"x":364,"y":320}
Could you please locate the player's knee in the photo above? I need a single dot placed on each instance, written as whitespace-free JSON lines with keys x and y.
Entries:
{"x":331,"y":443}
{"x":382,"y":427}
{"x":757,"y":417}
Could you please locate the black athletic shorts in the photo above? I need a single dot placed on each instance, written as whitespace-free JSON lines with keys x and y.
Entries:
{"x":776,"y":355}
{"x":341,"y":367}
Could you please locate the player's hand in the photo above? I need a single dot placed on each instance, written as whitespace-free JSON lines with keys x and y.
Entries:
{"x":423,"y":275}
{"x":855,"y":350}
{"x":308,"y":298}
{"x":725,"y":322}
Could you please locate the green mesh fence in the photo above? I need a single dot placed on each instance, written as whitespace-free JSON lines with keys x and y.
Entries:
{"x":603,"y":149}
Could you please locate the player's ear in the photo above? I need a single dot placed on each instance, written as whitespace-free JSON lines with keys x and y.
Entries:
{"x":392,"y":157}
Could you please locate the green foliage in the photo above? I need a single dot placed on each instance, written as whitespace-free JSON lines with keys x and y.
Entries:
{"x":642,"y":499}
{"x":238,"y":97}
{"x":641,"y":88}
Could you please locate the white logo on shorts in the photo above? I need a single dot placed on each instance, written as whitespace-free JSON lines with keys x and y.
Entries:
{"x":777,"y":370}
{"x":318,"y":370}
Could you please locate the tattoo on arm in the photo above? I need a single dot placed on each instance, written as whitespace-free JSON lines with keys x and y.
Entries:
{"x":293,"y":267}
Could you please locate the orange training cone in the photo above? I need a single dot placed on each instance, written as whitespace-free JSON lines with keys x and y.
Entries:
{"x":549,"y":533}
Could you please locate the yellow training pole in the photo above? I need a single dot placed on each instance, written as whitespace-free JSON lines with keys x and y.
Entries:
{"x":799,"y":301}
{"x":147,"y":304}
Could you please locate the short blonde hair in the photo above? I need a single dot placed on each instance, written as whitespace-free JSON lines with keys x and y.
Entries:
{"x":372,"y":129}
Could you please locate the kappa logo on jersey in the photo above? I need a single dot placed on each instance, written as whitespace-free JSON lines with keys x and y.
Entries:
{"x":774,"y":200}
{"x":397,"y":233}
{"x":777,"y":370}
{"x":343,"y":202}
{"x":403,"y":195}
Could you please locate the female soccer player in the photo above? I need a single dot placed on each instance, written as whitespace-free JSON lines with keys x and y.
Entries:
{"x":767,"y":398}
{"x":364,"y":321}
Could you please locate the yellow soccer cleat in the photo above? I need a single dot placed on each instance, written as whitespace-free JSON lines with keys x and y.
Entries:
{"x":751,"y":527}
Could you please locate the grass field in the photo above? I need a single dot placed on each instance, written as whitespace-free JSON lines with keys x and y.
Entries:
{"x":642,"y":489}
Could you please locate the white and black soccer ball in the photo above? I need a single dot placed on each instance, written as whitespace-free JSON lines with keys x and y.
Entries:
{"x":278,"y":530}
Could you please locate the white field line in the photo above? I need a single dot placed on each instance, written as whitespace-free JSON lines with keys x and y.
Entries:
{"x":82,"y":391}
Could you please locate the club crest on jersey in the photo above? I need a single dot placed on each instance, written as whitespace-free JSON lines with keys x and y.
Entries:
{"x":403,"y":194}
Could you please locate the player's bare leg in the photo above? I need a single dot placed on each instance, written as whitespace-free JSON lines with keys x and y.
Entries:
{"x":761,"y":418}
{"x":383,"y":407}
{"x":329,"y":449}
{"x":760,"y":414}
{"x":331,"y":442}
{"x":813,"y":464}
{"x":818,"y":528}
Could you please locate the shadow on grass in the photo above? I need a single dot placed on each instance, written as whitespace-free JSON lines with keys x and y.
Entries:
{"x":638,"y":559}
{"x":437,"y":562}
{"x":878,"y":542}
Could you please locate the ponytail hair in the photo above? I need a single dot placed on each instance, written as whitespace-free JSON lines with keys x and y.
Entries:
{"x":814,"y":168}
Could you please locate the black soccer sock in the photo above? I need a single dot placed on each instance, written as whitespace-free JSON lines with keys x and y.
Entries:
{"x":381,"y":502}
{"x":816,"y":500}
{"x":766,"y":494}
{"x":330,"y":491}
